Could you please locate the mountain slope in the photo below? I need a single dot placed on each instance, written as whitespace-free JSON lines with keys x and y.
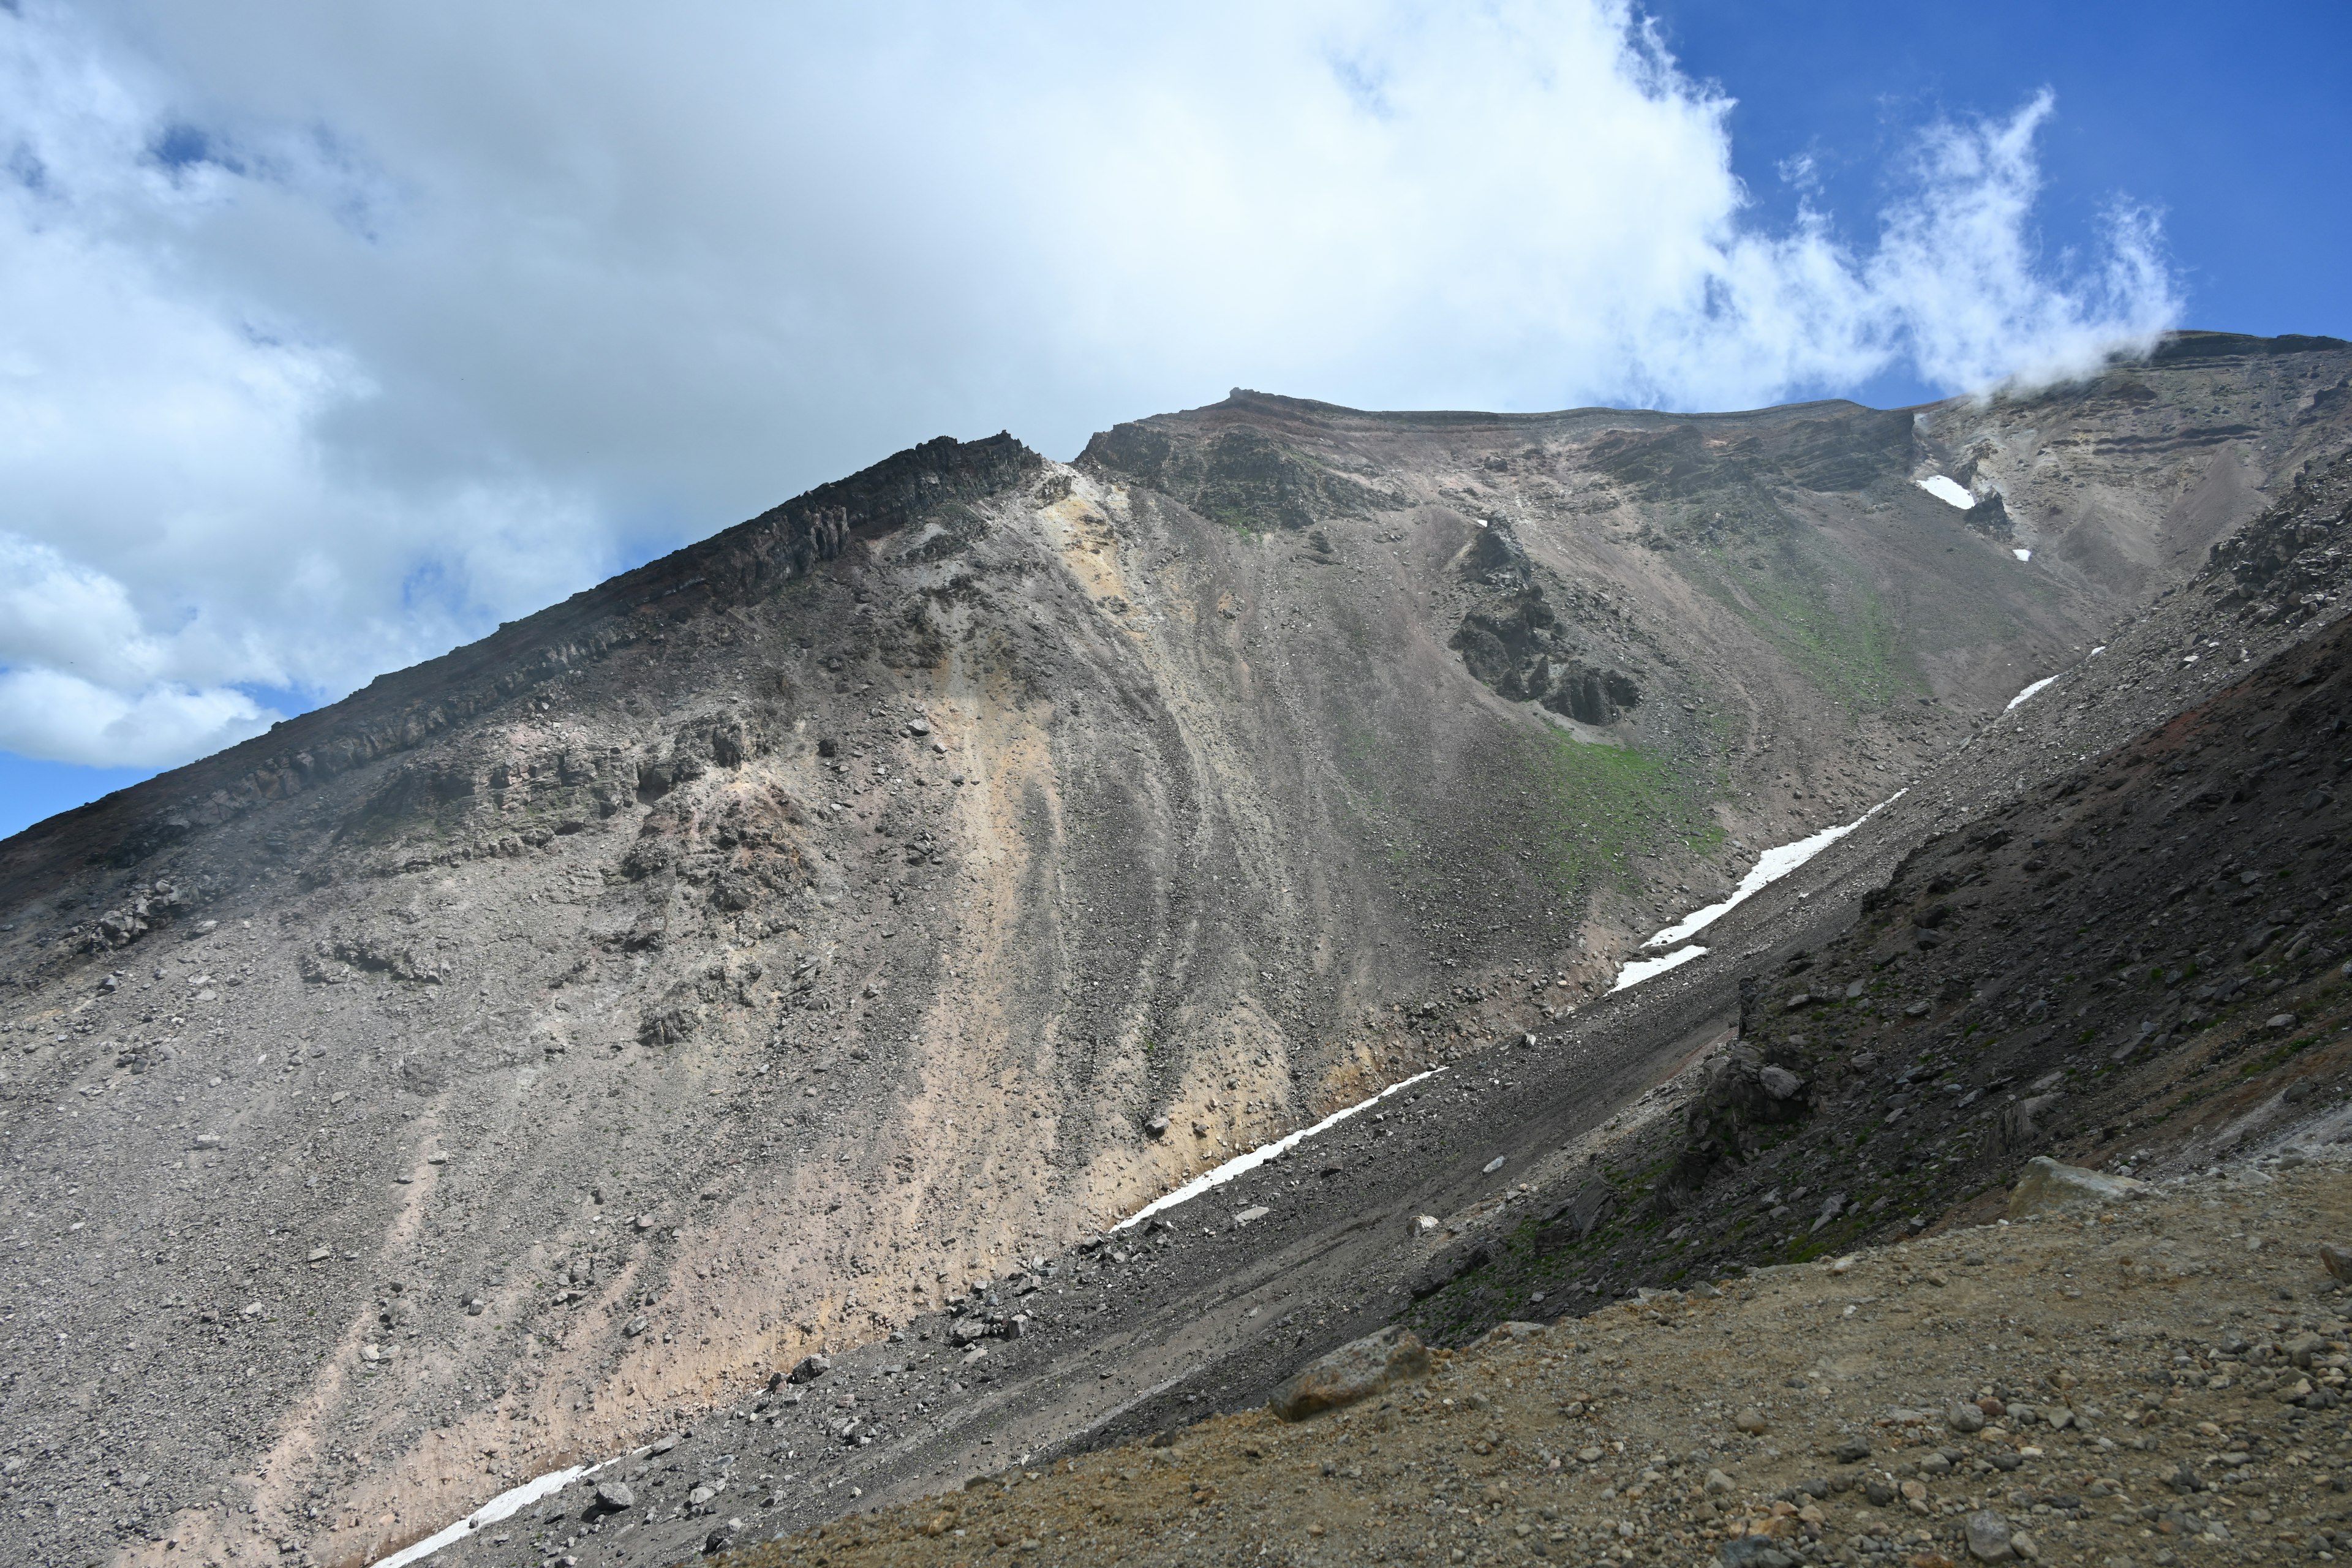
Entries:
{"x":908,"y":882}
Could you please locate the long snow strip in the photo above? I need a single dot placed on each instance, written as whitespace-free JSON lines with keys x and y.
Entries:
{"x":2029,"y":692}
{"x":502,"y":1506}
{"x":1242,"y":1164}
{"x":1642,"y":969}
{"x":1769,"y":868}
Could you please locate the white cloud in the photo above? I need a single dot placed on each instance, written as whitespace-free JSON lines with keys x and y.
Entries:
{"x":331,"y":335}
{"x":47,"y":713}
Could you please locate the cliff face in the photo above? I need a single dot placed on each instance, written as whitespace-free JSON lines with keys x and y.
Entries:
{"x":744,"y":955}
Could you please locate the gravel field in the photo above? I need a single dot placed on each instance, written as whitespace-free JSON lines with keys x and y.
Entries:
{"x":2151,"y":1381}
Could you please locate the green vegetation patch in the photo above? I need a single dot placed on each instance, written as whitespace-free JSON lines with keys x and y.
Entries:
{"x":1599,"y":806}
{"x":1818,"y":608}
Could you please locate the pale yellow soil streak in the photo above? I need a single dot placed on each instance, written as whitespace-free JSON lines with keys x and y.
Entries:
{"x":370,"y":1520}
{"x":1079,"y":528}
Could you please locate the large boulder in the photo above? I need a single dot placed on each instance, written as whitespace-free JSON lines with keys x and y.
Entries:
{"x":2048,"y":1186}
{"x":1351,"y":1372}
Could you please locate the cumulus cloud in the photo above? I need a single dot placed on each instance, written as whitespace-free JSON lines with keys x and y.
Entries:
{"x":331,"y":335}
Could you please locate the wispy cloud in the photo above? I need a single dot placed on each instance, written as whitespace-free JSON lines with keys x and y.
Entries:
{"x":331,"y":335}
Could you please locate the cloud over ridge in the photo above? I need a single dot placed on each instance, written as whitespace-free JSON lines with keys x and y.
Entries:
{"x":331,"y":336}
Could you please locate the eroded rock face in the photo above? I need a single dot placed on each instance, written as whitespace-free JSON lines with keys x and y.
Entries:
{"x":1517,"y":645}
{"x":1352,"y":1372}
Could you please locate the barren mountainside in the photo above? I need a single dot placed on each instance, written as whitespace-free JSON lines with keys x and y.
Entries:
{"x":759,"y":953}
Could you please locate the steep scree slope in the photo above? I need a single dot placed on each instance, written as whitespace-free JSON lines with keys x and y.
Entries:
{"x":748,"y":954}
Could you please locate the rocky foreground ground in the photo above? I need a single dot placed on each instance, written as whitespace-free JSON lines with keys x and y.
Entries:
{"x":2150,"y":1381}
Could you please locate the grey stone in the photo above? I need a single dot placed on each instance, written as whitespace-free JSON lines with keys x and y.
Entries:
{"x":1351,"y":1372}
{"x":1988,"y":1536}
{"x":637,"y":1325}
{"x":1780,"y":1082}
{"x":615,"y":1495}
{"x":810,"y":1369}
{"x":1753,"y":1551}
{"x":1962,"y":1415}
{"x":2047,"y":1187}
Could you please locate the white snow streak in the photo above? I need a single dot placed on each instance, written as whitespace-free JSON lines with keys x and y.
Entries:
{"x":2029,"y":692}
{"x":500,"y":1507}
{"x":1946,"y":490}
{"x":1642,"y":969}
{"x":1242,"y":1164}
{"x":2022,"y":554}
{"x":1769,"y":868}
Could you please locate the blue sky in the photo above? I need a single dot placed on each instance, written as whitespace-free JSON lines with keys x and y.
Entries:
{"x":2220,"y":116}
{"x":336,"y":335}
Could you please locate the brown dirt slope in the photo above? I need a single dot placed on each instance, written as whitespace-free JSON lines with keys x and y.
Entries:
{"x":2155,"y":1382}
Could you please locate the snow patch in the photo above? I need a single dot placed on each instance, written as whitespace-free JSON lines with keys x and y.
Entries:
{"x":2022,"y":554}
{"x":1642,"y":969}
{"x":1769,"y":868}
{"x":1946,"y":490}
{"x":2029,"y":692}
{"x":502,"y":1506}
{"x":1242,"y":1164}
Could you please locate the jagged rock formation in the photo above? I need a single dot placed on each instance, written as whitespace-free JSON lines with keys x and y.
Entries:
{"x":746,"y":957}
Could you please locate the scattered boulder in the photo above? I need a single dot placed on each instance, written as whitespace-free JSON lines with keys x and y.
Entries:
{"x":2048,"y":1186}
{"x":1352,"y":1372}
{"x":2022,"y":1124}
{"x":615,"y":1496}
{"x":1988,"y":1536}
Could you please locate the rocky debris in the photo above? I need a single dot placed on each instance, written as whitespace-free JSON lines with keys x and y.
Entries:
{"x":2108,"y":895}
{"x":1954,"y":1399}
{"x":694,"y":798}
{"x":2046,"y":1186}
{"x":615,"y":1496}
{"x":1356,"y":1371}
